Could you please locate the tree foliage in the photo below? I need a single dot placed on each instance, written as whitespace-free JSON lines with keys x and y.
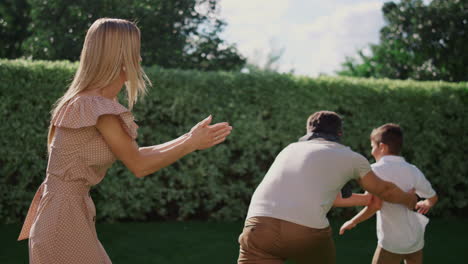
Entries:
{"x":175,"y":33}
{"x":419,"y":41}
{"x":14,"y":20}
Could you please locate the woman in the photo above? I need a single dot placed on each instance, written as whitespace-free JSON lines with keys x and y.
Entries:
{"x":89,"y":130}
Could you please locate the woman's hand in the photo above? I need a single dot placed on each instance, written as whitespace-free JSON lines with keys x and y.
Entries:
{"x":203,"y":135}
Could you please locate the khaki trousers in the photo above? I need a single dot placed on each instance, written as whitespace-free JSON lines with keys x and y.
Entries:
{"x":382,"y":256}
{"x":267,"y":240}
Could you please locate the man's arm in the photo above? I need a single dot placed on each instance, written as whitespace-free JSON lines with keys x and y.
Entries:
{"x":356,"y":199}
{"x":387,"y":191}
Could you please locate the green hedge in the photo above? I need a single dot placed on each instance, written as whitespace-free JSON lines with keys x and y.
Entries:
{"x":267,"y":111}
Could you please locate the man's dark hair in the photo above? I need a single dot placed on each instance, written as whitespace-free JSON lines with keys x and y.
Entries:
{"x":391,"y":135}
{"x":327,"y":122}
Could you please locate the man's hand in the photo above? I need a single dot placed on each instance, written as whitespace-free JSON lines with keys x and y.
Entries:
{"x":424,"y":206}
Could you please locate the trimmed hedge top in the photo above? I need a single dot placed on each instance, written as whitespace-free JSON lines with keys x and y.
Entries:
{"x":267,"y":111}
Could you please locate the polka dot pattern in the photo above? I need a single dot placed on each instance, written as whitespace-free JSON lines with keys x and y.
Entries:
{"x":60,"y":223}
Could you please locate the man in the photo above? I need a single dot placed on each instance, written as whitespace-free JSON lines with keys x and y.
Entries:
{"x":287,"y":214}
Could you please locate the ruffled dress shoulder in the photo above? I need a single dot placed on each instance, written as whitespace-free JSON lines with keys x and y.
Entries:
{"x":84,"y":110}
{"x":78,"y":152}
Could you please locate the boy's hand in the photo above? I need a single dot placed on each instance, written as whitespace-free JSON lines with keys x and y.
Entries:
{"x":423,"y":206}
{"x":347,"y":226}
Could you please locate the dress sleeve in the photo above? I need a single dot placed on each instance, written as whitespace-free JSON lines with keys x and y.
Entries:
{"x":84,"y":111}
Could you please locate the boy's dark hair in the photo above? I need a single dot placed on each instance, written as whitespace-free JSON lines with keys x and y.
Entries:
{"x":324,"y":122}
{"x":391,"y":135}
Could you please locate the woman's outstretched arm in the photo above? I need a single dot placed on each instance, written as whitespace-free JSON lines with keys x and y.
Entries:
{"x":145,"y":161}
{"x":165,"y":145}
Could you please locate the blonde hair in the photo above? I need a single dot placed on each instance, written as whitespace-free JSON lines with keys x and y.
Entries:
{"x":110,"y":46}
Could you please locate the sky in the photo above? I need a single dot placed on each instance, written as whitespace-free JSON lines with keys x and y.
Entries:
{"x":316,"y":35}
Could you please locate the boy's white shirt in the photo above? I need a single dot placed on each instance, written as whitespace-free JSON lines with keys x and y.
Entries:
{"x":400,"y":230}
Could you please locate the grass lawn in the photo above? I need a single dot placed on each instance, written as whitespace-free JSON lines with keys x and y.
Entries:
{"x":215,"y":242}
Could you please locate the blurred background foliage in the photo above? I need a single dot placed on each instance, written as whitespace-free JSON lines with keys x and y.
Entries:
{"x":175,"y":33}
{"x":267,"y":110}
{"x":419,"y":41}
{"x":185,"y":56}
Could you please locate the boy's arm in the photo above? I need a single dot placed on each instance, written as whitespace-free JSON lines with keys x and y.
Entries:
{"x":356,"y":199}
{"x":363,"y":215}
{"x":424,"y":206}
{"x":424,"y":189}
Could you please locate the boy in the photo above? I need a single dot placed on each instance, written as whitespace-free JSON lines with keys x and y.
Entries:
{"x":400,"y":231}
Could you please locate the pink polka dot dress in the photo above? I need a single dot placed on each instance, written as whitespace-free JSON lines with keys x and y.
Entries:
{"x":60,"y":223}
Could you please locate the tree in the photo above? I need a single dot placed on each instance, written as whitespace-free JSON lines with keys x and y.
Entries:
{"x":419,"y":41}
{"x":14,"y":20}
{"x":175,"y":33}
{"x":268,"y":61}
